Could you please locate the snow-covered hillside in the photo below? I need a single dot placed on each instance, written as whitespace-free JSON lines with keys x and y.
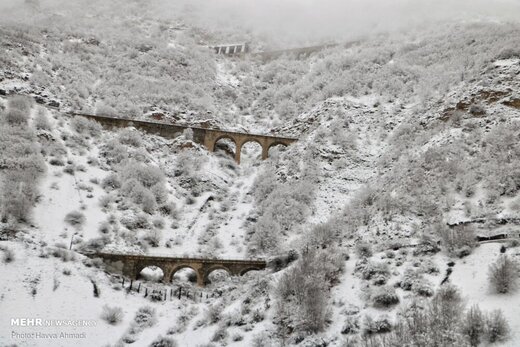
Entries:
{"x":393,"y":221}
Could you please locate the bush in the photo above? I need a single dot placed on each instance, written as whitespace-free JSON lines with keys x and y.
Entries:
{"x":364,"y":250}
{"x":163,"y":342}
{"x":220,"y":334}
{"x":19,"y":102}
{"x":372,"y":270}
{"x":497,"y":328}
{"x":130,"y":138}
{"x":351,"y":325}
{"x":16,"y":117}
{"x":385,"y":297}
{"x":17,"y":203}
{"x":214,"y":314}
{"x":380,"y":325}
{"x":473,"y":326}
{"x":112,"y":315}
{"x":147,"y":175}
{"x":158,"y":223}
{"x":112,"y":181}
{"x":423,"y":287}
{"x":145,"y":316}
{"x":56,"y":162}
{"x":41,"y":122}
{"x":153,"y":237}
{"x":169,"y":209}
{"x":133,"y":222}
{"x":503,"y":274}
{"x":75,"y":218}
{"x":8,"y":255}
{"x":160,"y":193}
{"x":70,"y":169}
{"x":84,"y":126}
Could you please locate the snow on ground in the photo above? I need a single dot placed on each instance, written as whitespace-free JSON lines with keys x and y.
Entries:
{"x":37,"y":288}
{"x":471,"y":276}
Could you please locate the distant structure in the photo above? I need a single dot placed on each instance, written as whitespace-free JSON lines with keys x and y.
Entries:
{"x":242,"y":49}
{"x":232,"y":49}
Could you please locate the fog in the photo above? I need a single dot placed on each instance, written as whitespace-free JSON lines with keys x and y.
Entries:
{"x":333,"y":19}
{"x":297,"y":21}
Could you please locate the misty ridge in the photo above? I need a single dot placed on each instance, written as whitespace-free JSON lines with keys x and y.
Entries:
{"x":279,"y":23}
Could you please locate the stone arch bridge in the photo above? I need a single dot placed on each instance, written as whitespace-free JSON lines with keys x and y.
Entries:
{"x":133,"y":264}
{"x":204,"y":136}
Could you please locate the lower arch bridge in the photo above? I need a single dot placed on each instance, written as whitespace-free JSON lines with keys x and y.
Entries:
{"x":133,"y":264}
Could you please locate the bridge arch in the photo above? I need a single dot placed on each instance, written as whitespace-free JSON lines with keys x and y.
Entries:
{"x":141,"y":266}
{"x":277,"y":143}
{"x":230,"y":138}
{"x":251,"y":140}
{"x":248,"y":269}
{"x":208,"y":272}
{"x":181,"y":267}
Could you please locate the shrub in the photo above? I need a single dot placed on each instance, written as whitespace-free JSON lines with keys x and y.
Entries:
{"x":503,"y":274}
{"x":160,"y":193}
{"x":153,"y":237}
{"x":85,"y":126}
{"x":104,"y":227}
{"x":69,"y":169}
{"x":75,"y":218}
{"x":145,"y":316}
{"x":169,"y":209}
{"x":19,"y":102}
{"x":374,"y":269}
{"x":380,"y":325}
{"x":220,"y":334}
{"x":130,"y":138}
{"x":351,"y":325}
{"x":133,"y":222}
{"x":16,"y":117}
{"x":364,"y":250}
{"x":8,"y":255}
{"x":237,"y":337}
{"x":158,"y":222}
{"x":17,"y":203}
{"x":147,"y":202}
{"x":410,"y":276}
{"x":214,"y":314}
{"x":112,"y":181}
{"x":385,"y":297}
{"x":497,"y":328}
{"x":41,"y":122}
{"x":112,"y":315}
{"x":473,"y":326}
{"x":163,"y":342}
{"x":105,"y":201}
{"x":422,"y":287}
{"x":56,"y":162}
{"x":147,"y":175}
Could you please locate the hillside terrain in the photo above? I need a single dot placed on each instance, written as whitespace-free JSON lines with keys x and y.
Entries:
{"x":393,"y":221}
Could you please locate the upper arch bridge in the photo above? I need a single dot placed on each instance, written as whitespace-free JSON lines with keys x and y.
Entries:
{"x":204,"y":136}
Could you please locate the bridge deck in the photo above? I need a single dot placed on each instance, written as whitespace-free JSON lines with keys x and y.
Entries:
{"x":160,"y":257}
{"x":93,"y":116}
